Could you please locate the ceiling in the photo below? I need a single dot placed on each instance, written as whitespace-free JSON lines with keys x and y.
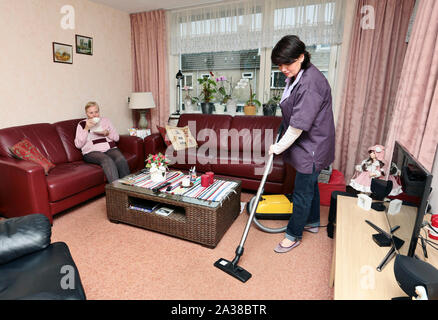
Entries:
{"x":132,"y":6}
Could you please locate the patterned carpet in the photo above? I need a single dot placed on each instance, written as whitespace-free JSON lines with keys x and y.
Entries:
{"x":118,"y":261}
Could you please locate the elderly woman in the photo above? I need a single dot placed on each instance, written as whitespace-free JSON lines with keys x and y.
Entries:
{"x":309,"y":141}
{"x":97,"y":137}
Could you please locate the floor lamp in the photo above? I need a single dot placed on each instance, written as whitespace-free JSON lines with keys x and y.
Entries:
{"x":141,"y":101}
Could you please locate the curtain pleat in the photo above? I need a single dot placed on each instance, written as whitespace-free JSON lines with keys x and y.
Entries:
{"x":415,"y":120}
{"x":149,"y":62}
{"x":375,"y":65}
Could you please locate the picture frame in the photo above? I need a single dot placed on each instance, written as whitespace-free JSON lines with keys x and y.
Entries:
{"x":62,"y":53}
{"x":84,"y":45}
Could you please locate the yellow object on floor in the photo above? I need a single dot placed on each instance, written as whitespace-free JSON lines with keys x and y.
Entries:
{"x":274,"y":207}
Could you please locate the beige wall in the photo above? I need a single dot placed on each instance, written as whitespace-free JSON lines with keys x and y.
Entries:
{"x":35,"y":89}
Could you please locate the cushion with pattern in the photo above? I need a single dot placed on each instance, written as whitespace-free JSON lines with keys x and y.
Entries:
{"x":25,"y":150}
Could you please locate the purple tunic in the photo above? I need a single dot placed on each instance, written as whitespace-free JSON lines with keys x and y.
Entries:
{"x":309,"y":108}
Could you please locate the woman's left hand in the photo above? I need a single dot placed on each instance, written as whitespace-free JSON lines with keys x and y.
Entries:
{"x":273,"y":149}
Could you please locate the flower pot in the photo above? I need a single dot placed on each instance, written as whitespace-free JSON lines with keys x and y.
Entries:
{"x":269,"y":109}
{"x":207,"y":107}
{"x":231,"y":107}
{"x":220,"y":108}
{"x":250,"y":110}
{"x":158,"y":174}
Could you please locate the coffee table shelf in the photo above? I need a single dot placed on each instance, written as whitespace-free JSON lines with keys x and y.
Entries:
{"x":200,"y":221}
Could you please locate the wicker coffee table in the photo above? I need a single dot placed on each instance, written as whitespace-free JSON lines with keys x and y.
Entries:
{"x":200,"y":221}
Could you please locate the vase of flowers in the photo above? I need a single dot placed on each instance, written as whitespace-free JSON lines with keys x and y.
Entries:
{"x":207,"y":93}
{"x":157,"y":165}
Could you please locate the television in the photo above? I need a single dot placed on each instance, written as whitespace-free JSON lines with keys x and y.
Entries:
{"x":414,"y":188}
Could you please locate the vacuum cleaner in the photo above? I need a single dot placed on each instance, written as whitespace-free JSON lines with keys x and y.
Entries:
{"x":231,"y":267}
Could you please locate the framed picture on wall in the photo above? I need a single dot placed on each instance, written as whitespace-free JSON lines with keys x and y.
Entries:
{"x":84,"y":45}
{"x":62,"y":53}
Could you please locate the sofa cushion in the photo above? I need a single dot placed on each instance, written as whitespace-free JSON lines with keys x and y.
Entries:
{"x":181,"y":137}
{"x":67,"y":133}
{"x":23,"y":235}
{"x":39,"y":276}
{"x":70,"y":178}
{"x":207,"y":129}
{"x":41,"y":135}
{"x":163,"y":134}
{"x":27,"y":151}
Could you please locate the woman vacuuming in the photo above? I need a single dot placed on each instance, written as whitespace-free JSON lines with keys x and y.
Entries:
{"x":309,"y":141}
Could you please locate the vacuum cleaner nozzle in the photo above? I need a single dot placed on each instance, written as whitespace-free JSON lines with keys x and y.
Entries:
{"x":233,"y":270}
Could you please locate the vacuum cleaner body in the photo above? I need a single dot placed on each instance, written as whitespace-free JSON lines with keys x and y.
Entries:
{"x":274,"y":207}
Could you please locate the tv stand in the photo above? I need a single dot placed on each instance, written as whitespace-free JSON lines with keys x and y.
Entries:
{"x":383,"y":239}
{"x":356,"y":255}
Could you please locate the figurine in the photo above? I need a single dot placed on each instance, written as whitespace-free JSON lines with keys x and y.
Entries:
{"x":369,"y":169}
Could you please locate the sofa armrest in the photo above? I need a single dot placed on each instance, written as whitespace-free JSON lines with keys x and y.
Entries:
{"x":132,"y":145}
{"x":23,"y":189}
{"x":154,"y":144}
{"x":23,"y":235}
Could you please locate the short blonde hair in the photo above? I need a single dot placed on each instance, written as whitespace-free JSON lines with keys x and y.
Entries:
{"x":90,"y":104}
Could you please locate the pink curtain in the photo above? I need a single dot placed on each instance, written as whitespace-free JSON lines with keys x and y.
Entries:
{"x":149,"y":62}
{"x":415,"y":119}
{"x":374,"y":68}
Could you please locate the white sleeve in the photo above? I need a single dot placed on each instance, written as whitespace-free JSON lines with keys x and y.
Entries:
{"x":287,"y":140}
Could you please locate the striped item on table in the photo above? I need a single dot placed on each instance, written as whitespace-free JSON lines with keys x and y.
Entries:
{"x":215,"y":192}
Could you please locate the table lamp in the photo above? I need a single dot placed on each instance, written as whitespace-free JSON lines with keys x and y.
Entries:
{"x":142,"y":101}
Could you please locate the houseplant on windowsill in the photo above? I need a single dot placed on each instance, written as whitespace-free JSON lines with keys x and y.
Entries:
{"x":207,"y":93}
{"x":224,"y":96}
{"x":250,"y":107}
{"x":157,"y":164}
{"x":270,"y":107}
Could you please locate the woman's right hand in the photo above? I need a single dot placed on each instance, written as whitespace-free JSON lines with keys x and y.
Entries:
{"x":89,"y":123}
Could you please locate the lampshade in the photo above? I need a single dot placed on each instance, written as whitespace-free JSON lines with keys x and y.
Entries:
{"x":141,"y":100}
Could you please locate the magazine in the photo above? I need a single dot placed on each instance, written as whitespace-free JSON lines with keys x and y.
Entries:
{"x":164,"y":211}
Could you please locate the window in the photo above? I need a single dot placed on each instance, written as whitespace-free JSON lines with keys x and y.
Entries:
{"x":234,"y":40}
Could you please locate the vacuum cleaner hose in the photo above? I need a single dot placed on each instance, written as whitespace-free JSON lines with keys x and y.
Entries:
{"x":261,"y":226}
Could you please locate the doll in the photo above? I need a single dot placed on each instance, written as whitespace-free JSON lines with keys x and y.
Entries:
{"x":394,"y":176}
{"x":369,"y":169}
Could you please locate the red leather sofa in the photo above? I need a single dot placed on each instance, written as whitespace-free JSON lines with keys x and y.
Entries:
{"x":237,"y":152}
{"x":24,"y":187}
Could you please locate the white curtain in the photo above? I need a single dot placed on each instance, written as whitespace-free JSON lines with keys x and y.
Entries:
{"x":253,"y":24}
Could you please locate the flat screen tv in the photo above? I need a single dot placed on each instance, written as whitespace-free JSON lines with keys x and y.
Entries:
{"x":415,"y":182}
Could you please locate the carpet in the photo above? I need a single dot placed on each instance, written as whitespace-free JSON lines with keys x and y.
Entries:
{"x":123,"y":262}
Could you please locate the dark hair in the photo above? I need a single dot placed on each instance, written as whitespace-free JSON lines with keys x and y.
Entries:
{"x":288,"y":50}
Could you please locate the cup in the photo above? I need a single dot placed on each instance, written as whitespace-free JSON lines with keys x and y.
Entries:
{"x":210,"y":174}
{"x":185,"y":182}
{"x":96,"y":119}
{"x":205,"y":180}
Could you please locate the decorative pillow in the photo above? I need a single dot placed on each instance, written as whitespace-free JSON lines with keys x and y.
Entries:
{"x":181,"y":137}
{"x":27,"y":151}
{"x":162,"y":131}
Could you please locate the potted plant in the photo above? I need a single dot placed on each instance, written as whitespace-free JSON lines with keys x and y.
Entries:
{"x":270,"y":107}
{"x":224,"y":96}
{"x":157,"y":164}
{"x":207,"y":93}
{"x":250,"y":107}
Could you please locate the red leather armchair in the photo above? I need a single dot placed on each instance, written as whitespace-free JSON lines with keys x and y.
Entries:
{"x":229,"y":146}
{"x":25,"y":189}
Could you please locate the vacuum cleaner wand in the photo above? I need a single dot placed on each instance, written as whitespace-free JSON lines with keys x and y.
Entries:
{"x":231,"y":267}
